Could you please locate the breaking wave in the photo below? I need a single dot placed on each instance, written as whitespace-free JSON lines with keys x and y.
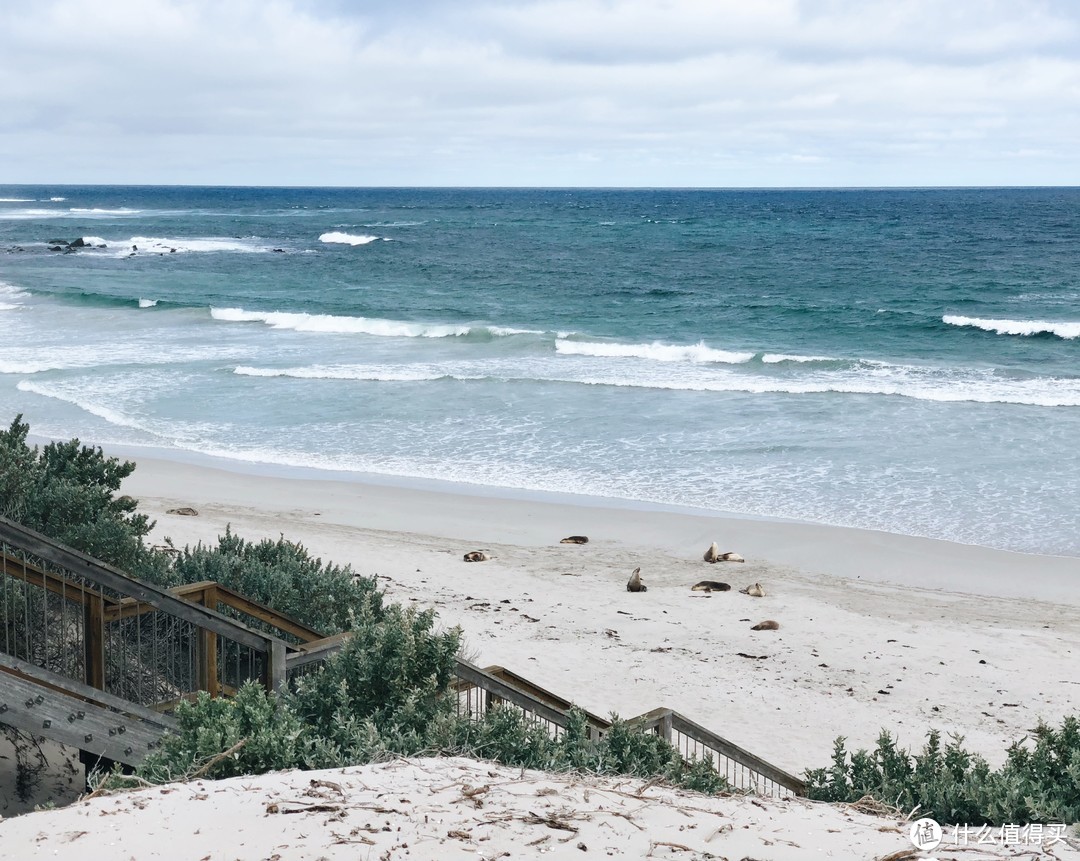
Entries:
{"x":338,"y":238}
{"x":697,"y":353}
{"x":333,"y":324}
{"x":1023,"y":328}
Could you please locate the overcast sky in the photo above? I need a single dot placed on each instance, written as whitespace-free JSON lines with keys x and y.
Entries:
{"x":545,"y":93}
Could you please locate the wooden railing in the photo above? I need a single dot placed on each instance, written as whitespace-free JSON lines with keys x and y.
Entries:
{"x":80,"y":631}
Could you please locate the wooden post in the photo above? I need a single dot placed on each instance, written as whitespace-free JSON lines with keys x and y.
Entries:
{"x":664,"y":728}
{"x":207,"y":648}
{"x":94,"y":641}
{"x":275,"y":666}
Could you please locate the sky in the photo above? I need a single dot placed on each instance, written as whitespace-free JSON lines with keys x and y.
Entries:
{"x":616,"y":93}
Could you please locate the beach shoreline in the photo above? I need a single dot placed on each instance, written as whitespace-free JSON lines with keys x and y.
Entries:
{"x":877,"y":631}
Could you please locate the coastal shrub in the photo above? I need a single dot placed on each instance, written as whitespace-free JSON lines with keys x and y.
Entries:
{"x":393,"y":674}
{"x":67,"y":491}
{"x":261,"y":736}
{"x":388,"y":692}
{"x":1039,"y":782}
{"x":282,"y":575}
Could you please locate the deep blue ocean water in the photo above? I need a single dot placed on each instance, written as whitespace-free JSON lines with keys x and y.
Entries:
{"x":898,"y":360}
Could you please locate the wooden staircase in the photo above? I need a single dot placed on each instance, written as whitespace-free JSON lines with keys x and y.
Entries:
{"x":93,"y":658}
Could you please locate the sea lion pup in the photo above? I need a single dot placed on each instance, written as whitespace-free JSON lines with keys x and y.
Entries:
{"x":576,"y":539}
{"x":710,"y":586}
{"x":755,"y":591}
{"x":713,"y":553}
{"x":635,"y":584}
{"x":477,"y":556}
{"x":767,"y":625}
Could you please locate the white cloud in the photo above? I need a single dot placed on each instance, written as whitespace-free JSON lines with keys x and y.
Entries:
{"x":595,"y":92}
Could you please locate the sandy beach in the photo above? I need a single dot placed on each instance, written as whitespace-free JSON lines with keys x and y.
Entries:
{"x":876,"y":632}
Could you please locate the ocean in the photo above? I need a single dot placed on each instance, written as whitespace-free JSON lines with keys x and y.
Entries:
{"x":899,"y":360}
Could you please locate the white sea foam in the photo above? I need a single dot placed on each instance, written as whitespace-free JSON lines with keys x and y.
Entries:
{"x":6,"y":307}
{"x":110,"y":415}
{"x":336,"y":237}
{"x":697,"y":353}
{"x":370,"y":373}
{"x":10,"y":291}
{"x":332,"y":324}
{"x":95,"y":242}
{"x":147,"y":303}
{"x":1025,"y":328}
{"x":206,"y":244}
{"x":16,"y":200}
{"x":57,"y":199}
{"x":778,"y":358}
{"x":120,"y":210}
{"x":865,"y":378}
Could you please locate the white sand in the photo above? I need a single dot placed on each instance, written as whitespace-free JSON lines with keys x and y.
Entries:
{"x":458,"y":809}
{"x":989,"y":651}
{"x":877,"y":631}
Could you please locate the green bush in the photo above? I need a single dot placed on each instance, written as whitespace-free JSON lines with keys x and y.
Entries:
{"x":388,"y":693}
{"x":66,"y":491}
{"x":282,"y":575}
{"x":1040,"y":783}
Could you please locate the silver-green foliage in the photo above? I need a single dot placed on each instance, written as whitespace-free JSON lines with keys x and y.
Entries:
{"x":1039,"y":782}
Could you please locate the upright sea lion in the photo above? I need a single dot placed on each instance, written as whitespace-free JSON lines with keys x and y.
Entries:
{"x":635,"y":584}
{"x":575,"y":539}
{"x":477,"y":556}
{"x":713,"y":553}
{"x":755,"y":591}
{"x":710,"y":586}
{"x":767,"y":625}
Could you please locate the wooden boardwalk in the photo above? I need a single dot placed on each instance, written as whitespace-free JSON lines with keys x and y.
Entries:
{"x":93,"y":658}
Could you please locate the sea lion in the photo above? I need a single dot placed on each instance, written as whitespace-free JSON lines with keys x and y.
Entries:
{"x":730,"y":557}
{"x":575,"y":539}
{"x":186,"y":512}
{"x":710,"y":586}
{"x":767,"y":625}
{"x":635,"y":584}
{"x":755,"y":591}
{"x":477,"y":556}
{"x":713,"y":553}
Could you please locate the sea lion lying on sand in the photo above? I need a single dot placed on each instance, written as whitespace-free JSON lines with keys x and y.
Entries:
{"x":713,"y":554}
{"x":754,"y":591}
{"x":635,"y":584}
{"x":186,"y":512}
{"x":710,"y":586}
{"x":477,"y":556}
{"x":767,"y":625}
{"x":575,"y":539}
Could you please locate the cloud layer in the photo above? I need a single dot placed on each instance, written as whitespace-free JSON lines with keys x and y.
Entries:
{"x":541,"y":92}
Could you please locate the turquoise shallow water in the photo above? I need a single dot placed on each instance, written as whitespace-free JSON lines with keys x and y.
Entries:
{"x":897,"y":360}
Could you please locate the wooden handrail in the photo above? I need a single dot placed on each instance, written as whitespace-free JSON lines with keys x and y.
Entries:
{"x":111,"y":578}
